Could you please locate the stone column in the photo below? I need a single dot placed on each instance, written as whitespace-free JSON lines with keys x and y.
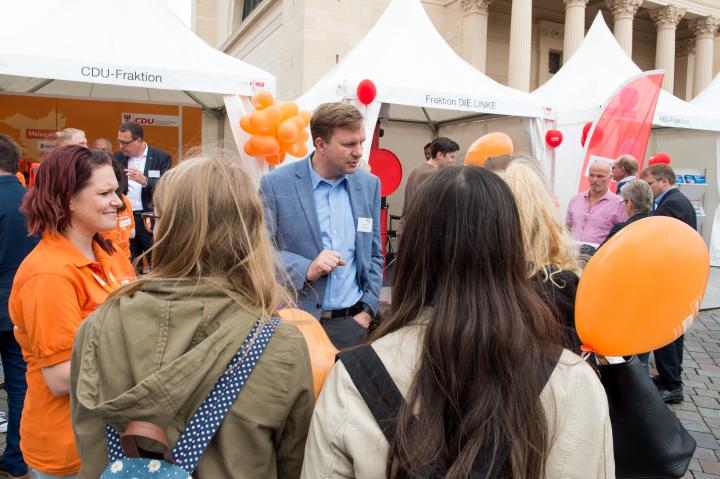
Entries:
{"x":666,"y":20}
{"x":520,"y":45}
{"x":704,"y":30}
{"x":574,"y":27}
{"x":474,"y":34}
{"x":684,"y":68}
{"x":624,"y":11}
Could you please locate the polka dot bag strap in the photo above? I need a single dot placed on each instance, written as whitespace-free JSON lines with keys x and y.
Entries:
{"x":207,"y":419}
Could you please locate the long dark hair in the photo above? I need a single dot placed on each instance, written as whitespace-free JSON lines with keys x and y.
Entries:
{"x":489,"y":341}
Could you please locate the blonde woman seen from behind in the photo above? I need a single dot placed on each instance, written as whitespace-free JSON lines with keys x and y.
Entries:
{"x":156,"y":349}
{"x":548,"y":246}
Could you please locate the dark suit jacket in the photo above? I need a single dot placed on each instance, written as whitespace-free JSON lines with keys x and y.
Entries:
{"x":622,"y":225}
{"x":676,"y":205}
{"x":15,"y":243}
{"x":157,"y":160}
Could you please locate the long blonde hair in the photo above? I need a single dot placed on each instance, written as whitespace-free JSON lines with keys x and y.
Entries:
{"x":548,"y":245}
{"x":211,"y":227}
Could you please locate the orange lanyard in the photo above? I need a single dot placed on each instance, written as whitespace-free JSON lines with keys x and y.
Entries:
{"x":110,"y":285}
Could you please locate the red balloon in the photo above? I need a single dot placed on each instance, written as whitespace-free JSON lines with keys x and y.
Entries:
{"x":554,"y":138}
{"x":659,"y":158}
{"x":366,"y":91}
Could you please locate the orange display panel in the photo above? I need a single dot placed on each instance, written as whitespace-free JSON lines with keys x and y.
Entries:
{"x":31,"y":121}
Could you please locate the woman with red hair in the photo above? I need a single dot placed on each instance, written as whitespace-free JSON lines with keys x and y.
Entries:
{"x":70,"y":272}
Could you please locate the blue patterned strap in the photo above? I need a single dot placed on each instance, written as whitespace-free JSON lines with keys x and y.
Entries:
{"x":207,"y":419}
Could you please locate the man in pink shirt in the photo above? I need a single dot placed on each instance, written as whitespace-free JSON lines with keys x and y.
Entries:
{"x":592,"y":213}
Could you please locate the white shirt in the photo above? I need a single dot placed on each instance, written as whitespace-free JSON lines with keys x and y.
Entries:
{"x":135,"y":188}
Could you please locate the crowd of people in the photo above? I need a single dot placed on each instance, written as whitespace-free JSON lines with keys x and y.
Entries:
{"x":477,"y":355}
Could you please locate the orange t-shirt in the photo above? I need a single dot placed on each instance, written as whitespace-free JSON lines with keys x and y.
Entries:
{"x":56,"y":287}
{"x":120,"y":236}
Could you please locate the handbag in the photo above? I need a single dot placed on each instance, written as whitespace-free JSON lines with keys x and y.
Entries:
{"x":124,"y":458}
{"x":648,"y":439}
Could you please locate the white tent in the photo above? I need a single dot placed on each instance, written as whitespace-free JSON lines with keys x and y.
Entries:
{"x":131,"y":50}
{"x":584,"y":83}
{"x":709,"y":100}
{"x":413,"y":66}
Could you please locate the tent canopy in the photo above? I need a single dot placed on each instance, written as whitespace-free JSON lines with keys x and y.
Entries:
{"x":133,"y":50}
{"x":709,"y":98}
{"x":596,"y":69}
{"x":412,"y":65}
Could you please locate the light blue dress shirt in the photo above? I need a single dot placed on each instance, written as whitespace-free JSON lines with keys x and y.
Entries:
{"x":337,"y":228}
{"x":661,"y":196}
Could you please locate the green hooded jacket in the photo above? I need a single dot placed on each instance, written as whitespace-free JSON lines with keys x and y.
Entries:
{"x":155,"y":355}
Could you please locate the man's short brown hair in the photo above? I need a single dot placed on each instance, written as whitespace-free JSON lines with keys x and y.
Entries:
{"x":659,"y":172}
{"x":628,"y":163}
{"x":329,"y":116}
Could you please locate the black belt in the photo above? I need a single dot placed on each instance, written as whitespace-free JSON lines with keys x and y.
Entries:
{"x":341,"y":313}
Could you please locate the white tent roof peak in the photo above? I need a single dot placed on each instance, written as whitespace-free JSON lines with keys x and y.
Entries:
{"x":709,"y":98}
{"x":133,"y":43}
{"x":411,"y":64}
{"x":596,"y":69}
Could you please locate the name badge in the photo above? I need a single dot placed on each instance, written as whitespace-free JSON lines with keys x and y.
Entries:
{"x":154,"y":174}
{"x":365,"y":225}
{"x":124,"y":222}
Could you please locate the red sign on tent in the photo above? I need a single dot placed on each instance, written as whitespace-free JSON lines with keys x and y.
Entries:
{"x":624,"y":124}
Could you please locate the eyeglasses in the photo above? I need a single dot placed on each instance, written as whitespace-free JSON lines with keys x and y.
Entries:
{"x":126,"y":143}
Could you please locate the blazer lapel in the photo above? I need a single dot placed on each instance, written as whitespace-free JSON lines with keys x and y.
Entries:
{"x":306,"y":197}
{"x":148,"y":160}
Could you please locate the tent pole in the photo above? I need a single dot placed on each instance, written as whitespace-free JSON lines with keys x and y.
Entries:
{"x":433,"y":125}
{"x":197,"y":100}
{"x":40,"y":85}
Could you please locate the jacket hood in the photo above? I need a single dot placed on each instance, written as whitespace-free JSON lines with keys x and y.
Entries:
{"x":151,"y":353}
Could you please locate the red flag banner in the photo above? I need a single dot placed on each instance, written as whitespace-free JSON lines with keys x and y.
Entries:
{"x":624,"y":124}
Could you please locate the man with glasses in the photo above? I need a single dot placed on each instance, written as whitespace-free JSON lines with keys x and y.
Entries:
{"x":669,"y":201}
{"x":144,"y":165}
{"x":624,"y":170}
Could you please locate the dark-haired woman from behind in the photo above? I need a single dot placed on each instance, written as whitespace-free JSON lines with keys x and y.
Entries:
{"x":471,"y":348}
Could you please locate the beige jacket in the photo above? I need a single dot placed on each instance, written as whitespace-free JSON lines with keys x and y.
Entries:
{"x":346,"y":442}
{"x":155,"y":355}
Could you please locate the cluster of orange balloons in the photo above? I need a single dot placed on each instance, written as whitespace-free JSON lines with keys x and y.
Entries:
{"x":277,"y":128}
{"x":488,"y":146}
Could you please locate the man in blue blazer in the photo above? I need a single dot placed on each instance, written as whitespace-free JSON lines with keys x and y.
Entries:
{"x":669,"y":201}
{"x":323,"y":214}
{"x":144,"y":165}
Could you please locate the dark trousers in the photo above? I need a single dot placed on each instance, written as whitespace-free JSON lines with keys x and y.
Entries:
{"x":143,"y":239}
{"x":668,"y":361}
{"x":344,"y":332}
{"x":14,"y":368}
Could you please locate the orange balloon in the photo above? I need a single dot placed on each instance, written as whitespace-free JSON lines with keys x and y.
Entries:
{"x":643,"y":288}
{"x":263,"y":145}
{"x":266,"y":121}
{"x":247,"y":126}
{"x":322,"y":351}
{"x":288,"y":131}
{"x":250,"y":150}
{"x":304,"y":136}
{"x":262,"y":100}
{"x":288,"y":109}
{"x":306,"y":117}
{"x":487,"y":146}
{"x":276,"y":159}
{"x":298,"y":149}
